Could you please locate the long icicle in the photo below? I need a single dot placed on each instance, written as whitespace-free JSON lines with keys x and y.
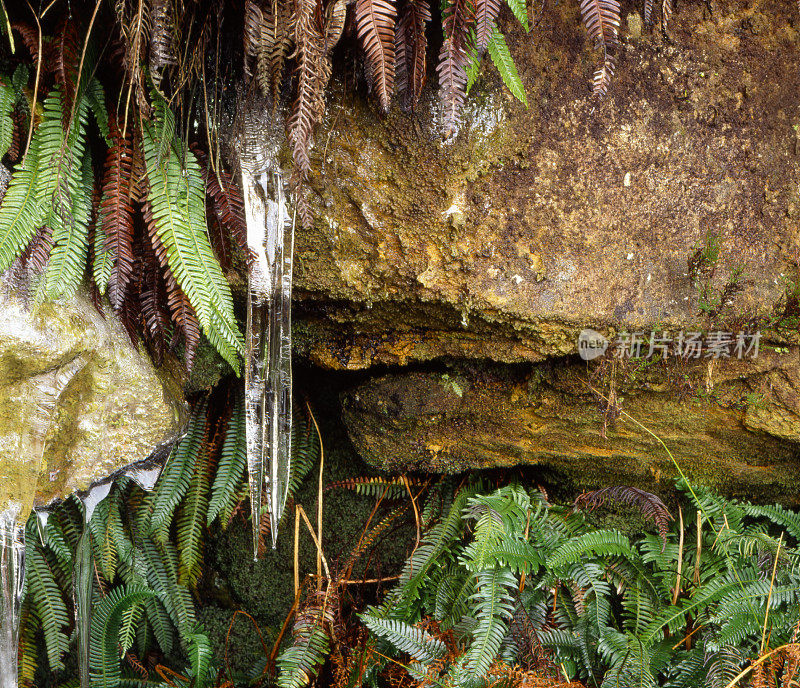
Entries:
{"x":268,"y":365}
{"x":12,"y":578}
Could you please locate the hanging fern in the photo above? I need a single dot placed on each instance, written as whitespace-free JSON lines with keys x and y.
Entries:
{"x":178,"y":205}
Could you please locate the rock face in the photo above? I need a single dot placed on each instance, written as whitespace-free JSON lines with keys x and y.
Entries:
{"x":78,"y":400}
{"x":670,"y":205}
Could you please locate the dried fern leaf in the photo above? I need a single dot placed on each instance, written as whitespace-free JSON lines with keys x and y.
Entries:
{"x":335,"y":14}
{"x":162,"y":39}
{"x":251,"y":40}
{"x":375,"y":25}
{"x":452,"y":84}
{"x":486,"y":12}
{"x":601,"y":19}
{"x":410,"y":50}
{"x":314,"y":72}
{"x":116,"y":217}
{"x":666,"y":14}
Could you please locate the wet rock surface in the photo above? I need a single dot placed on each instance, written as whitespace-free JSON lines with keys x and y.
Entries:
{"x":78,"y":400}
{"x":536,"y":223}
{"x":722,"y":426}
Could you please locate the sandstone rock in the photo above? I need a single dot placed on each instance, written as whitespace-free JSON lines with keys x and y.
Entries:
{"x":728,"y":424}
{"x":571,"y":214}
{"x":78,"y":400}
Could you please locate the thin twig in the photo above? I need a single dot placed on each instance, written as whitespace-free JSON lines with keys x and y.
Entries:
{"x":696,"y":575}
{"x":296,"y":549}
{"x":319,"y":492}
{"x":35,"y":82}
{"x":677,"y":590}
{"x":316,"y":542}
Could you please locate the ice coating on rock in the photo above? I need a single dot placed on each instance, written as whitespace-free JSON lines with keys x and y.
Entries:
{"x":268,"y":365}
{"x":12,"y":578}
{"x":96,"y":494}
{"x":145,"y":478}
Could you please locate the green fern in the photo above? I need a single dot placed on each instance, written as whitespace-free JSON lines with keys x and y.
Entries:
{"x":175,"y":478}
{"x":414,"y":641}
{"x":107,"y":621}
{"x":177,"y":198}
{"x":46,"y":599}
{"x":501,"y":56}
{"x":299,"y":662}
{"x":8,"y":100}
{"x":231,"y":468}
{"x":21,"y":214}
{"x":61,"y":188}
{"x":520,"y":10}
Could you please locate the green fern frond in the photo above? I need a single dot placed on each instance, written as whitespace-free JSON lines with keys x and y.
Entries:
{"x":493,"y":607}
{"x":520,"y":10}
{"x":305,"y":450}
{"x":299,"y":662}
{"x":8,"y":100}
{"x":177,"y":198}
{"x":416,"y":642}
{"x":192,"y":517}
{"x":176,"y":476}
{"x":231,"y":469}
{"x":47,"y":600}
{"x":601,"y":543}
{"x":20,"y":211}
{"x":779,"y":515}
{"x":501,"y":56}
{"x":200,"y":654}
{"x":107,"y":620}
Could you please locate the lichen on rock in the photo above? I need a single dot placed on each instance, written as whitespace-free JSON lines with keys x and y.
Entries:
{"x":79,"y":400}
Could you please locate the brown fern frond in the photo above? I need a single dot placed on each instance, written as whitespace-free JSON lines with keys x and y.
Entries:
{"x":251,"y":34}
{"x":335,"y":15}
{"x":67,"y":61}
{"x":457,"y":18}
{"x":185,"y":319}
{"x":180,"y":310}
{"x":313,"y":73}
{"x":410,"y":48}
{"x":153,"y":302}
{"x":601,"y":19}
{"x":275,"y":43}
{"x":649,"y":504}
{"x":648,"y":12}
{"x":485,"y":16}
{"x":36,"y":254}
{"x":452,"y":72}
{"x":116,"y":213}
{"x":30,"y":38}
{"x":666,"y":14}
{"x":225,"y":202}
{"x":162,"y":38}
{"x":418,"y":71}
{"x":134,"y":25}
{"x":375,"y":22}
{"x":602,"y":77}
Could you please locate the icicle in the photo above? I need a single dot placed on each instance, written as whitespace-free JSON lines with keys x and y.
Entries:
{"x":268,"y":366}
{"x":12,"y":578}
{"x":97,"y":493}
{"x":145,"y":478}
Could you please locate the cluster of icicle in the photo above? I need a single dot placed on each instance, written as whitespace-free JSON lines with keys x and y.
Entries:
{"x":268,"y":347}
